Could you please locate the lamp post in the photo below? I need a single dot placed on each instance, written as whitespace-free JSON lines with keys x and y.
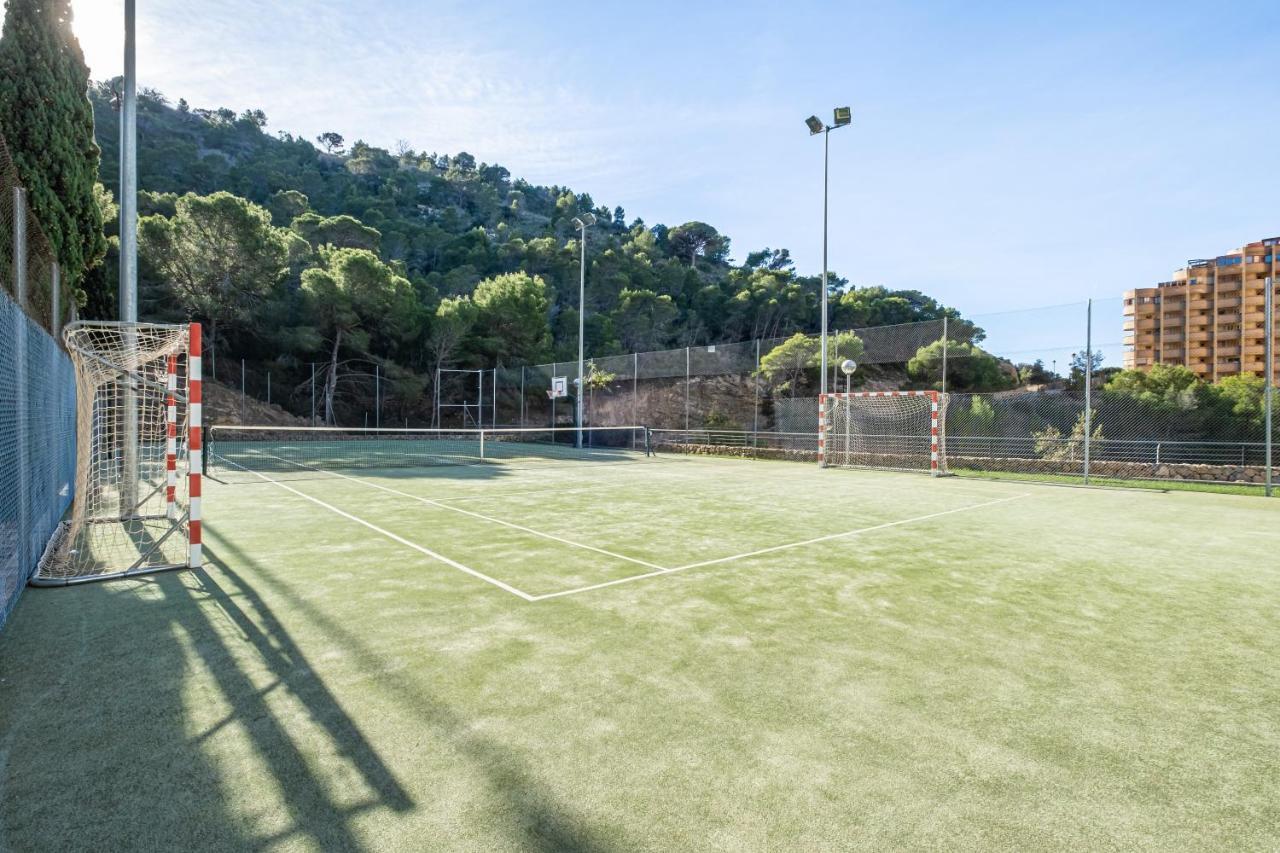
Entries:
{"x":582,"y":223}
{"x":841,"y":117}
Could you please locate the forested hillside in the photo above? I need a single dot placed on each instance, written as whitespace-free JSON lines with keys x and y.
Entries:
{"x":294,"y":251}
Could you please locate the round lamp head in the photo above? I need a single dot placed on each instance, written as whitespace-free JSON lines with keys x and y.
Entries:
{"x":848,"y":366}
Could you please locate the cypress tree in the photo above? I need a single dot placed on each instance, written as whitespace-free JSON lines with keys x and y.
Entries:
{"x":47,"y":120}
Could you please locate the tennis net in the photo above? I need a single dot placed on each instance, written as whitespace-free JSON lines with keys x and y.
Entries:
{"x":293,"y":449}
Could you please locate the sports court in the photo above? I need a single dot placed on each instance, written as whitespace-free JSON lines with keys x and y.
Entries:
{"x":398,"y":643}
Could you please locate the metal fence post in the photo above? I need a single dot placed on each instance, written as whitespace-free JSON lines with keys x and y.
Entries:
{"x":522,"y":396}
{"x":20,"y":249}
{"x":1268,"y":399}
{"x":495,"y":398}
{"x":946,"y":347}
{"x":755,"y":385}
{"x":55,"y":300}
{"x":635,"y":389}
{"x":20,"y":340}
{"x":686,"y":388}
{"x":377,"y":396}
{"x":1088,"y":387}
{"x":313,"y":393}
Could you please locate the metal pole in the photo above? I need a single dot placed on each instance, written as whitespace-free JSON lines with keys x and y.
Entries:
{"x":521,"y":396}
{"x":826,"y":160}
{"x":946,"y":345}
{"x":582,"y":312}
{"x":21,"y":380}
{"x":755,"y":382}
{"x":495,"y":398}
{"x":55,"y":301}
{"x":313,"y":393}
{"x":1088,"y":388}
{"x":554,"y":365}
{"x":20,"y":249}
{"x":128,"y":196}
{"x":377,"y":396}
{"x":436,"y":420}
{"x":686,"y":389}
{"x":635,"y":389}
{"x":479,"y":399}
{"x":1268,"y":398}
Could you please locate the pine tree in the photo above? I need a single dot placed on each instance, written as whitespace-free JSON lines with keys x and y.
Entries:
{"x":46,"y":118}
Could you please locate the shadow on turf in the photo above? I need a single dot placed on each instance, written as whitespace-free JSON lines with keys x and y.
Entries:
{"x":537,"y":821}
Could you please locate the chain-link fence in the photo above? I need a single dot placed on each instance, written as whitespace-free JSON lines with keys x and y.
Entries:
{"x":1036,"y":393}
{"x":37,"y":391}
{"x":37,"y":444}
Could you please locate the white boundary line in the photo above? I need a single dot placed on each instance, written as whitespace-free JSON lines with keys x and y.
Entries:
{"x":400,"y":539}
{"x":771,"y":550}
{"x":481,"y":516}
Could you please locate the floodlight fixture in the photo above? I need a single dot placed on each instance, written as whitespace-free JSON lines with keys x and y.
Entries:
{"x":815,"y":125}
{"x":584,"y":220}
{"x":843,"y":116}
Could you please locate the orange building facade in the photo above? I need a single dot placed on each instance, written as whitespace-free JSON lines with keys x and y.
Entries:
{"x":1211,"y":317}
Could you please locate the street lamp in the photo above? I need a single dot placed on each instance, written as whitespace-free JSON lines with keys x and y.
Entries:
{"x":840,"y":117}
{"x":582,"y":223}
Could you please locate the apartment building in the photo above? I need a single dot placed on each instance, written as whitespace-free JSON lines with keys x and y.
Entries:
{"x":1210,"y":317}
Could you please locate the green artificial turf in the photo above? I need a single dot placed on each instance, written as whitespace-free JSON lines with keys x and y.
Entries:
{"x":1032,"y":667}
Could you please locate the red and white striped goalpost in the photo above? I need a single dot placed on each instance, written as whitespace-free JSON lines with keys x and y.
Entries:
{"x":935,"y":432}
{"x":171,"y":437}
{"x":195,"y":444}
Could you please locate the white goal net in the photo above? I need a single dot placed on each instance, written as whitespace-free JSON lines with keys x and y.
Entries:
{"x":136,"y":506}
{"x":897,"y":430}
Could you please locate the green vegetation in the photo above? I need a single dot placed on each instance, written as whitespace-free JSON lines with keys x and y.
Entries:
{"x":491,"y":262}
{"x":48,"y":125}
{"x":950,"y":683}
{"x":969,"y":367}
{"x":796,"y":362}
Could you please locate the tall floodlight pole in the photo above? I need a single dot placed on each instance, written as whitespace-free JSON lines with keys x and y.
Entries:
{"x":842,"y":116}
{"x":582,"y":223}
{"x":129,"y":245}
{"x":129,"y":173}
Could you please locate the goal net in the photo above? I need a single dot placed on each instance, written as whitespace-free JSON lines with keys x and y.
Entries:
{"x":138,"y":457}
{"x":897,"y":430}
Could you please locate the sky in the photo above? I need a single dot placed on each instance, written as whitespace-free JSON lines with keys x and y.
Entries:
{"x":1003,"y":155}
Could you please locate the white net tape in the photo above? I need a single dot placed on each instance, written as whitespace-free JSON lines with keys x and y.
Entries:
{"x":131,"y":501}
{"x":888,"y":430}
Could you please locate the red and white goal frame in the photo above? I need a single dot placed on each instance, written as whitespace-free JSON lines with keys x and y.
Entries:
{"x":937,"y":464}
{"x":139,"y":454}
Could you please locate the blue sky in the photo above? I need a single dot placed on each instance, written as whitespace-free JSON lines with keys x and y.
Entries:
{"x":1003,"y":155}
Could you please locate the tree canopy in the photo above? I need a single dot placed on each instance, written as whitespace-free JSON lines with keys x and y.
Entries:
{"x":49,"y":126}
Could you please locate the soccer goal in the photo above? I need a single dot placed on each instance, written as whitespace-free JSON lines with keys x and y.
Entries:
{"x":896,"y":430}
{"x":138,"y":454}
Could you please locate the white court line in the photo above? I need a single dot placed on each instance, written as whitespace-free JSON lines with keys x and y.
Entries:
{"x":771,"y":550}
{"x":480,"y":516}
{"x":393,"y":537}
